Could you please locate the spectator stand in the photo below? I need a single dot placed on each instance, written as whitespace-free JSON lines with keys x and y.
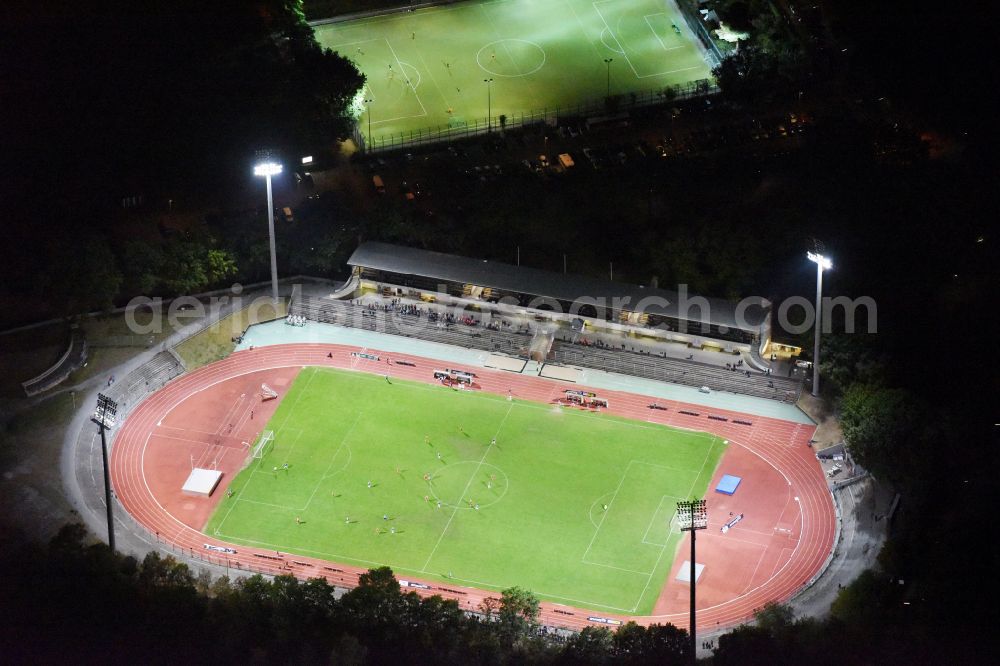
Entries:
{"x":426,"y":322}
{"x":74,"y":357}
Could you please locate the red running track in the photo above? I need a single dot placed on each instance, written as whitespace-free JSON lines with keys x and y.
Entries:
{"x":788,"y":532}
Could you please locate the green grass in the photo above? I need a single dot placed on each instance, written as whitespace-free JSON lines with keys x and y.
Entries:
{"x":541,"y":54}
{"x":216,"y":341}
{"x":541,"y":522}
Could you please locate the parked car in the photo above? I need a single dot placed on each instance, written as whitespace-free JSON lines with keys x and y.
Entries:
{"x":407,"y":191}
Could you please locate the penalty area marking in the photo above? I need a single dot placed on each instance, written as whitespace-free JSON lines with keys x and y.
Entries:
{"x":607,"y":32}
{"x":653,"y":520}
{"x":625,"y":55}
{"x":416,"y":74}
{"x":615,"y":37}
{"x":590,"y":512}
{"x":657,"y":35}
{"x":360,"y":41}
{"x":417,"y":95}
{"x":663,"y":547}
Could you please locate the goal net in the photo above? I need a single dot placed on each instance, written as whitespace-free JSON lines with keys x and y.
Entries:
{"x":264,"y":444}
{"x":267,"y":393}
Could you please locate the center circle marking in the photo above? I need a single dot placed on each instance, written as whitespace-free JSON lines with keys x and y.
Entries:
{"x":518,"y":50}
{"x":476,"y":490}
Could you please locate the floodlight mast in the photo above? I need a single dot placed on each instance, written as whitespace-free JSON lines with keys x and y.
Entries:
{"x":822,"y":263}
{"x":489,"y":104}
{"x":692,"y":516}
{"x":268,"y":169}
{"x":104,"y":416}
{"x":368,"y":105}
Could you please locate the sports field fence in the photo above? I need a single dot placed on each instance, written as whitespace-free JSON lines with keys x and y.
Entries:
{"x":689,"y":10}
{"x":598,"y":107}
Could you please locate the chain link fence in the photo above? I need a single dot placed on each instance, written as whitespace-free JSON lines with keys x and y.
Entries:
{"x":619,"y":104}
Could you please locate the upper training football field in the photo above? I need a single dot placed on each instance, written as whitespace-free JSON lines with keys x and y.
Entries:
{"x":577,"y":507}
{"x":426,"y":68}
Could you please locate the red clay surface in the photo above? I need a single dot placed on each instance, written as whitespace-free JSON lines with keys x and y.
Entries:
{"x":204,"y":418}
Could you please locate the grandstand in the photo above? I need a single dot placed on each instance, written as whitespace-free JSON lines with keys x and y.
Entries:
{"x":517,"y":342}
{"x":667,"y":315}
{"x":127,"y":392}
{"x":145,"y":379}
{"x":343,"y":313}
{"x":676,"y":371}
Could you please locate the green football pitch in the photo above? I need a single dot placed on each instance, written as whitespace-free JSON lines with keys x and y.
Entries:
{"x":577,"y":507}
{"x":427,"y":68}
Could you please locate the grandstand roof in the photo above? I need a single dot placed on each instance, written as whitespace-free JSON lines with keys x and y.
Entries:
{"x":560,"y":286}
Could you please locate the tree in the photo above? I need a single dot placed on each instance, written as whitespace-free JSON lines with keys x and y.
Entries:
{"x":865,"y":601}
{"x":219,"y":265}
{"x":141,"y":265}
{"x":593,"y":645}
{"x":774,"y":617}
{"x":83,"y":274}
{"x":184,"y":267}
{"x":887,"y":432}
{"x":755,"y":73}
{"x":518,"y":611}
{"x":847,"y":358}
{"x":159,"y":571}
{"x":748,"y":644}
{"x":380,"y":580}
{"x":377,"y":606}
{"x":667,"y":644}
{"x":656,"y":644}
{"x":489,"y":606}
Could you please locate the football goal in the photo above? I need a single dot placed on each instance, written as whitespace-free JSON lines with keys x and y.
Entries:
{"x":264,"y":444}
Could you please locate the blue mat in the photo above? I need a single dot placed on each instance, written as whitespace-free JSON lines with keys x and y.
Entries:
{"x":728,"y":484}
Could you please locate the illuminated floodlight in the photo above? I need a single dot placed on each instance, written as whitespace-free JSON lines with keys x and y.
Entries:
{"x":307,"y":159}
{"x":821,"y":261}
{"x":106,"y":414}
{"x":692,"y":515}
{"x":267,"y":169}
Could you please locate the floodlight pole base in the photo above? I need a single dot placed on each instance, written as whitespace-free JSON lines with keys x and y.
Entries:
{"x":694,"y":644}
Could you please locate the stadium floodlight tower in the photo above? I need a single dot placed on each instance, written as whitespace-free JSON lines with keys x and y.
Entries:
{"x":368,"y":106}
{"x":268,"y":168}
{"x":608,"y":61}
{"x":822,"y":263}
{"x":489,"y":104}
{"x":692,"y":516}
{"x":105,"y":416}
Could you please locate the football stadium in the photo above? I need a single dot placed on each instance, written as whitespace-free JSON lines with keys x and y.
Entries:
{"x":473,"y":441}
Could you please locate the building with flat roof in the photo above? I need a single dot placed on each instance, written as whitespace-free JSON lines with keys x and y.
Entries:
{"x":661,"y":313}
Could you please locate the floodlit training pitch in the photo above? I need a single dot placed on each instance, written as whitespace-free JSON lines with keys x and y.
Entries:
{"x":575,"y":506}
{"x":429,"y":68}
